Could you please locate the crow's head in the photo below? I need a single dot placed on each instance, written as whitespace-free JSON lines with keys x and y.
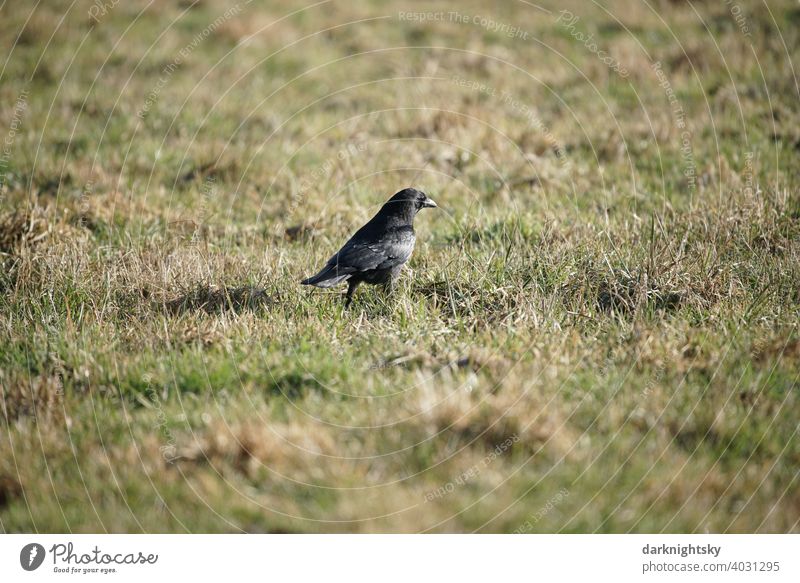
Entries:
{"x":411,"y":199}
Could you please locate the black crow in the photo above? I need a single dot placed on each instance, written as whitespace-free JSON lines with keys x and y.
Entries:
{"x":378,"y":250}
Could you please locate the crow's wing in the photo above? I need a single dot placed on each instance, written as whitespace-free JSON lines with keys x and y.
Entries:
{"x":359,"y":255}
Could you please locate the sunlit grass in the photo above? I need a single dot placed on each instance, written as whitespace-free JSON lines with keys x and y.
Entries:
{"x":631,"y":335}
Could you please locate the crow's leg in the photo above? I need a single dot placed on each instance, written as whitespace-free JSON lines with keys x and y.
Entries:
{"x":390,"y":286}
{"x":351,"y":287}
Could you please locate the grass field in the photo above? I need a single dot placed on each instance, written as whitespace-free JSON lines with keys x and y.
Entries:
{"x":598,"y":331}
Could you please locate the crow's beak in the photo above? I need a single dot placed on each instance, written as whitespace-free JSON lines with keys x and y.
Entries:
{"x":428,"y":203}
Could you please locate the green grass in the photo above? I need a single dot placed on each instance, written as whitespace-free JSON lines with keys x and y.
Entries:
{"x":586,"y":344}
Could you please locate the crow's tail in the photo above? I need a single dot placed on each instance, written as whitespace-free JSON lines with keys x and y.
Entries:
{"x":328,"y":277}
